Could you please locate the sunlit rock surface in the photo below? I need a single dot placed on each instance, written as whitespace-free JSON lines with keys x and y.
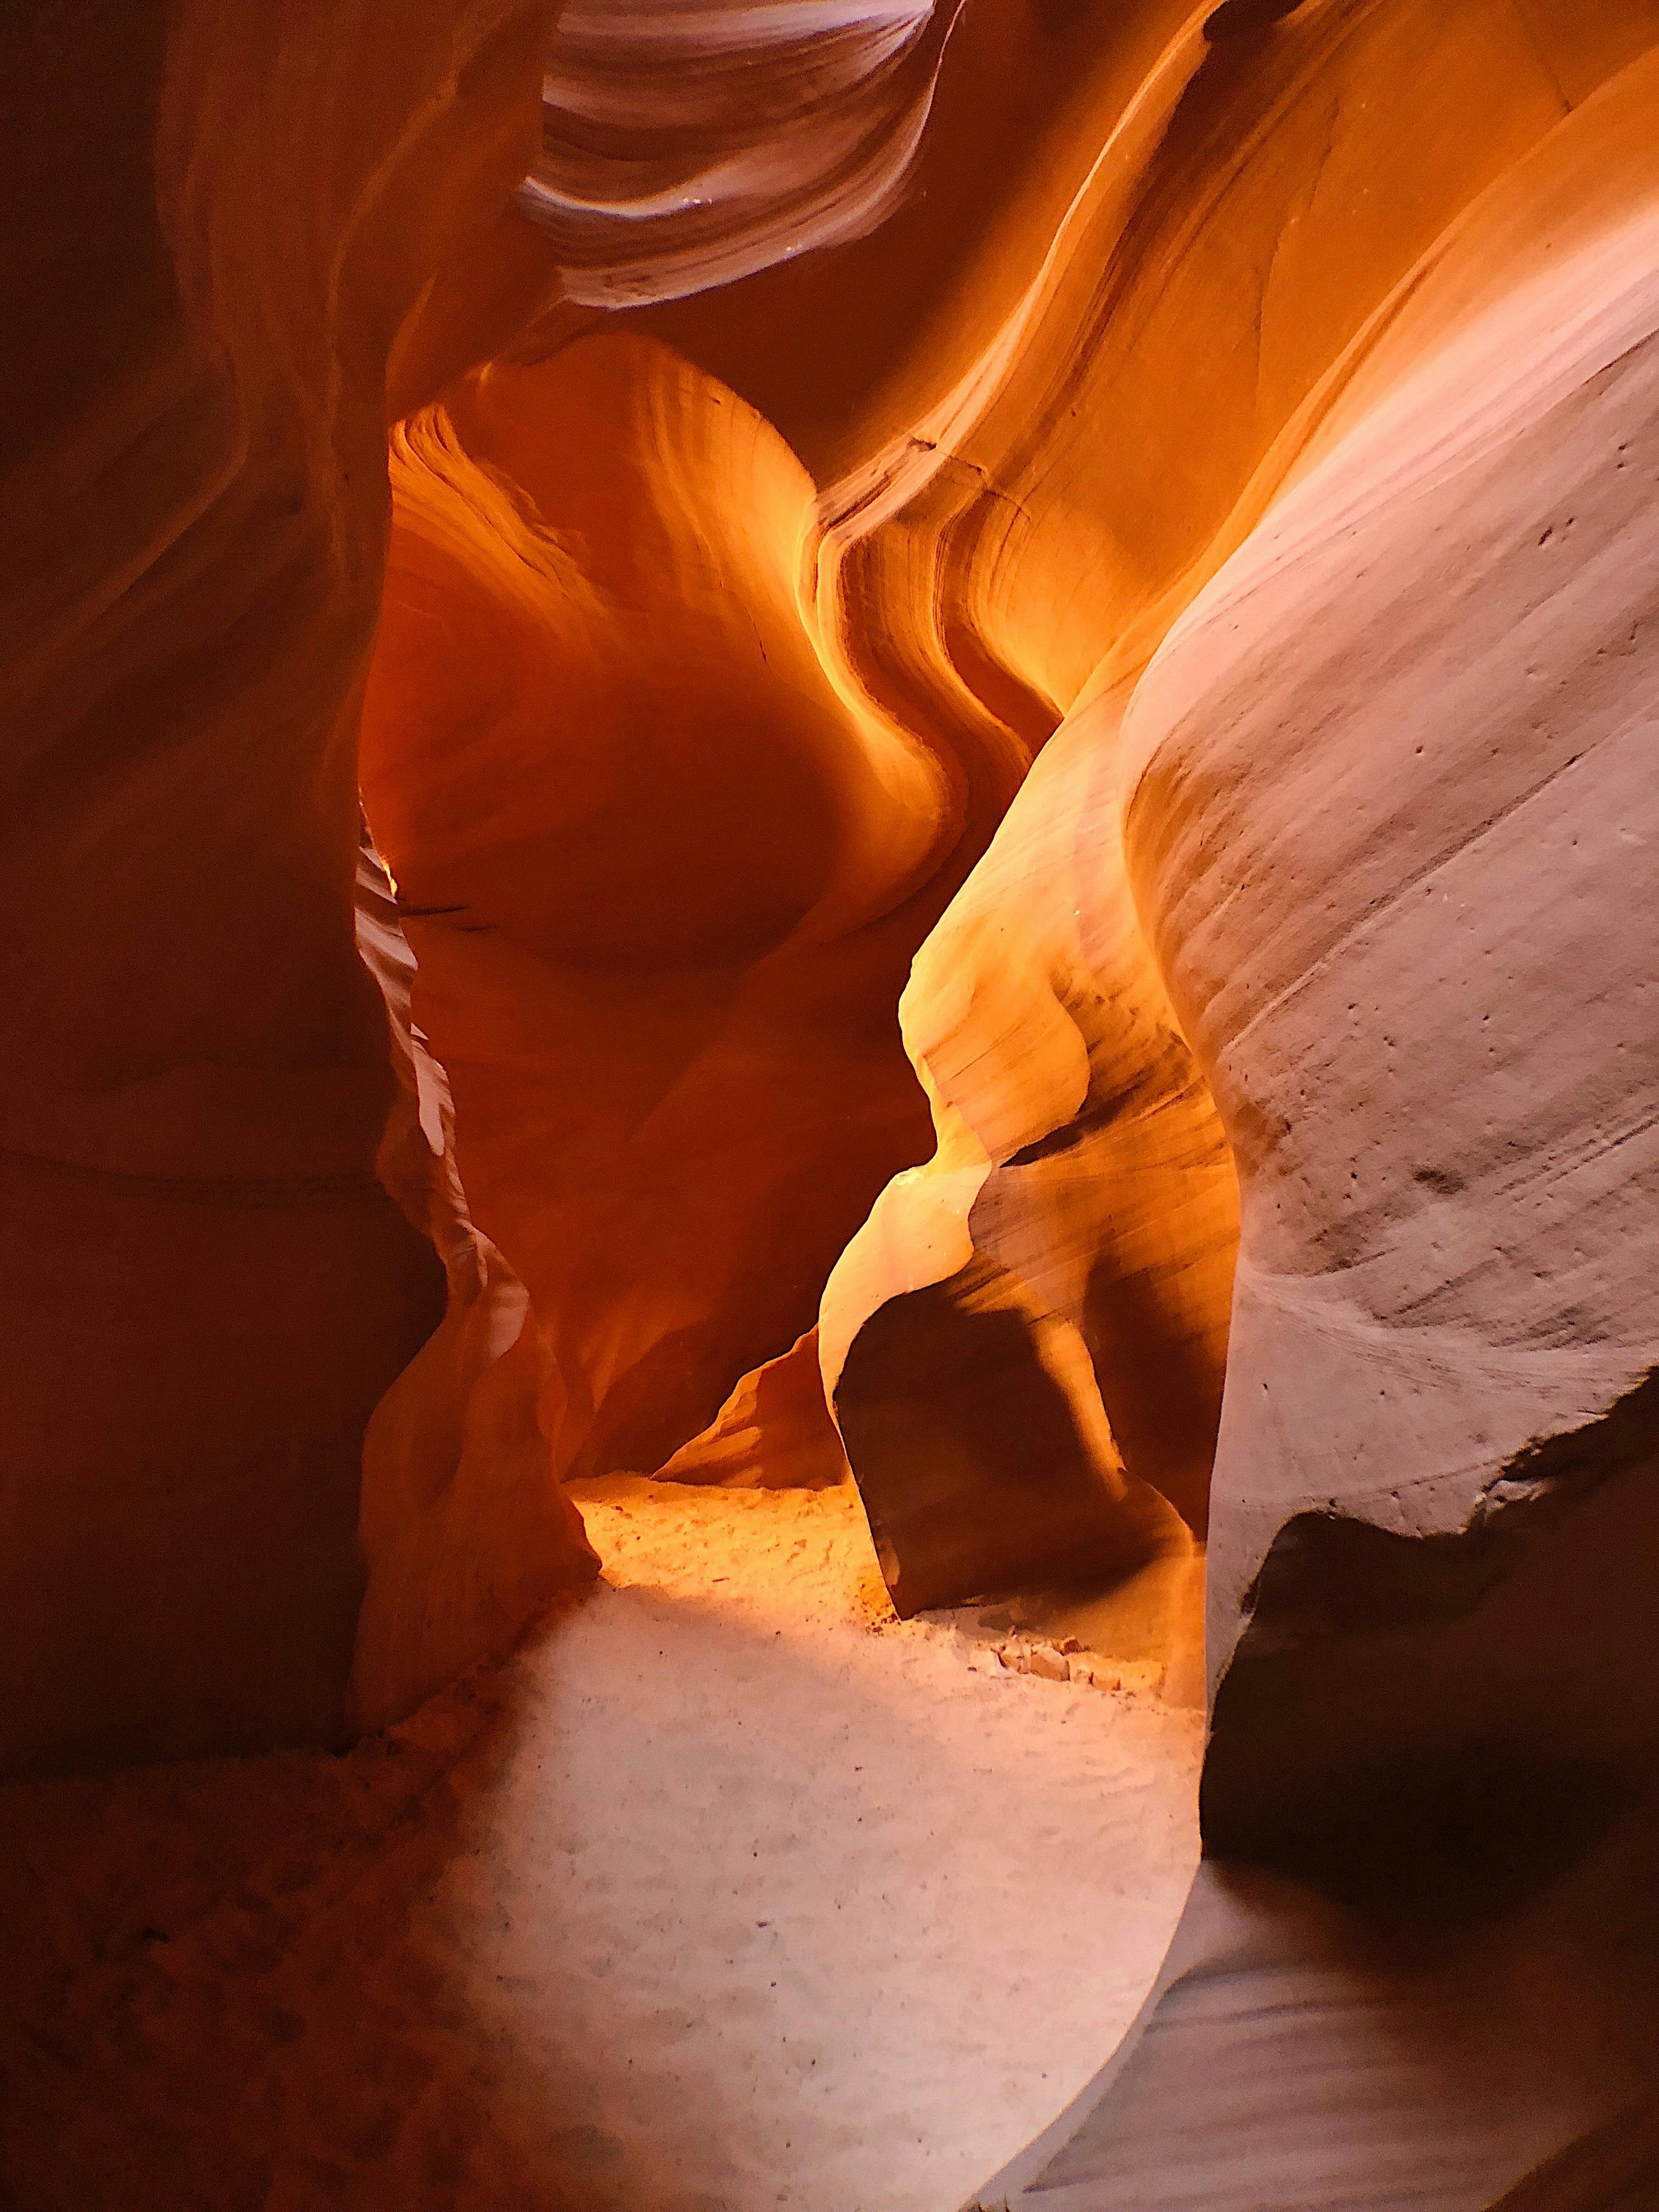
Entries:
{"x":1013,"y":722}
{"x":687,"y":145}
{"x":662,"y":873}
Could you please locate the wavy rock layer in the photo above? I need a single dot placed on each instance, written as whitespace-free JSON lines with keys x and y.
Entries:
{"x":688,"y":145}
{"x":662,"y":864}
{"x":208,"y":1289}
{"x":1387,"y":813}
{"x":1223,"y":271}
{"x":1246,"y":416}
{"x":1278,"y":459}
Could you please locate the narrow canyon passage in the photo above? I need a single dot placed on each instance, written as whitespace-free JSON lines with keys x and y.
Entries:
{"x":730,"y":1891}
{"x":830,"y":1137}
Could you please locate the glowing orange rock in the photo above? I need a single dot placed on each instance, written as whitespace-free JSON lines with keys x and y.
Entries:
{"x":662,"y":868}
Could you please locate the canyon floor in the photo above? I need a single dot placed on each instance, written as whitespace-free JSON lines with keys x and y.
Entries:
{"x":727,"y":1893}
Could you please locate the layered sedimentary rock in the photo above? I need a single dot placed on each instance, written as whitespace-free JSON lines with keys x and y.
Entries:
{"x":1304,"y":485}
{"x":1096,"y":616}
{"x":1211,"y":289}
{"x":685,"y":147}
{"x":465,"y":1532}
{"x":208,"y":1289}
{"x":663,"y":867}
{"x":1388,"y":814}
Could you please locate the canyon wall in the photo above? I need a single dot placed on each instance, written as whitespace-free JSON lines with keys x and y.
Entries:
{"x":662,"y":874}
{"x":1072,"y":595}
{"x":208,"y":1288}
{"x":1387,"y":817}
{"x":1269,"y":467}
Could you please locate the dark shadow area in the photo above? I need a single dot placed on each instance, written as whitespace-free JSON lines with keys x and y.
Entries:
{"x":219,"y":1992}
{"x":1420,"y":1965}
{"x":1435,"y":1723}
{"x":968,"y":1458}
{"x":1245,"y":19}
{"x":1615,"y":2170}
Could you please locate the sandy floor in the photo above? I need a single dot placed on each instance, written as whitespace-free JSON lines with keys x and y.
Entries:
{"x":728,"y":1894}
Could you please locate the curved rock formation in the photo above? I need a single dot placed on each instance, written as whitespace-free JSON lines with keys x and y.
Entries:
{"x":688,"y":146}
{"x":1132,"y":404}
{"x":465,"y":1532}
{"x":1388,"y":816}
{"x":662,"y":867}
{"x":208,"y":1288}
{"x":1180,"y":589}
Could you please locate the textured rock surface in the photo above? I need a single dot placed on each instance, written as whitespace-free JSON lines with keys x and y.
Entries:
{"x":1179,"y":590}
{"x":663,"y":871}
{"x":684,"y":147}
{"x":208,"y":1289}
{"x":1389,"y":814}
{"x":1233,"y":263}
{"x":465,"y":1531}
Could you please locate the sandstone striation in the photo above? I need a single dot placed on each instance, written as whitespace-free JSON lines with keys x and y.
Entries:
{"x":661,"y":874}
{"x":1002,"y":680}
{"x":208,"y":1289}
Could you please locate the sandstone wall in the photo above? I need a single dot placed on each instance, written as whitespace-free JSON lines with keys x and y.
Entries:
{"x":215,"y":233}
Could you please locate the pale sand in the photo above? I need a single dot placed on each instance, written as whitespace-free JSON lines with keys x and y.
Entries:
{"x":727,"y":1893}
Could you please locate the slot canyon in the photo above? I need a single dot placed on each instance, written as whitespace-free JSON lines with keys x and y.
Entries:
{"x":830,"y":900}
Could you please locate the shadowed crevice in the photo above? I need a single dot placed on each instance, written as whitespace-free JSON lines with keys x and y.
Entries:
{"x":974,"y":1473}
{"x":1439,"y":1721}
